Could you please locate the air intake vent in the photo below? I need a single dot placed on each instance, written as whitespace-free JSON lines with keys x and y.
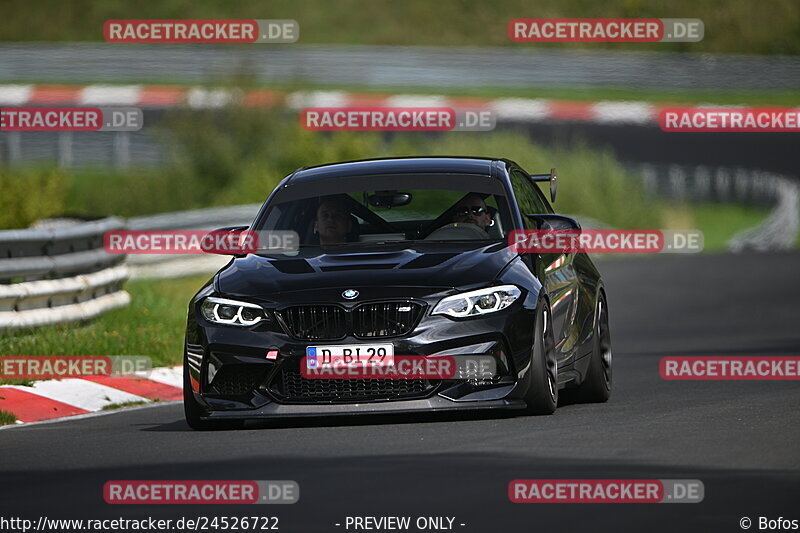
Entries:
{"x":388,"y":319}
{"x":366,"y":321}
{"x":293,"y":266}
{"x":290,"y":385}
{"x":315,"y":322}
{"x":237,"y":379}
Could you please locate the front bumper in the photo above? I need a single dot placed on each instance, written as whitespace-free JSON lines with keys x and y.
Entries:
{"x":214,"y":351}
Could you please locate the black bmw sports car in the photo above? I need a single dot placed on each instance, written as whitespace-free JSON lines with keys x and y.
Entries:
{"x":403,"y":257}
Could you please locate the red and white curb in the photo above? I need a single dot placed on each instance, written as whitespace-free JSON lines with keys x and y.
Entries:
{"x":59,"y":398}
{"x":162,"y":96}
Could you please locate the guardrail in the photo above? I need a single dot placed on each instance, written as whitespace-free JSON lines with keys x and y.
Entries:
{"x":398,"y":66}
{"x":170,"y":266}
{"x":779,"y":230}
{"x":59,"y":272}
{"x":742,"y":186}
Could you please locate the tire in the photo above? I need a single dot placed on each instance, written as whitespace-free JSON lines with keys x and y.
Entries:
{"x":596,"y":386}
{"x":542,"y":393}
{"x":192,"y":411}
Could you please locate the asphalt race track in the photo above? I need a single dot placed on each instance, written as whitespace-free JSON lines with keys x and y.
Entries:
{"x":740,"y":438}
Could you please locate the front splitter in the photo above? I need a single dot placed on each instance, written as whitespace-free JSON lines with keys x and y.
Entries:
{"x":434,"y":404}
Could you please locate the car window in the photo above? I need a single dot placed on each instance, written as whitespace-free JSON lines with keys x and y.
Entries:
{"x":528,"y":196}
{"x":425,"y":205}
{"x":361,"y":220}
{"x":529,"y":199}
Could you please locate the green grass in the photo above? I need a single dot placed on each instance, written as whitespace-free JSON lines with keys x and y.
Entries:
{"x":7,"y":418}
{"x":744,"y":97}
{"x":731,"y":26}
{"x":152,"y":325}
{"x":122,"y":405}
{"x":137,"y":191}
{"x":23,"y":382}
{"x":754,"y":97}
{"x":720,"y":222}
{"x":19,"y":206}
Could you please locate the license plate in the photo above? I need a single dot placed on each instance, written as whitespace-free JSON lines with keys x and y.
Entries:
{"x":349,"y":355}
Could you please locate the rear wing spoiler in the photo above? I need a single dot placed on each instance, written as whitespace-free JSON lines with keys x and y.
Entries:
{"x":552,"y":178}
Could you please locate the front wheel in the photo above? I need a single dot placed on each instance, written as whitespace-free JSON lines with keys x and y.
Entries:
{"x":542,"y":394}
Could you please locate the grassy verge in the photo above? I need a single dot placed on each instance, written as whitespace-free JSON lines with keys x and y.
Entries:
{"x":23,"y":382}
{"x":18,"y":207}
{"x":718,"y":222}
{"x":122,"y":405}
{"x":743,"y":97}
{"x":7,"y":418}
{"x":152,"y":325}
{"x":732,"y":26}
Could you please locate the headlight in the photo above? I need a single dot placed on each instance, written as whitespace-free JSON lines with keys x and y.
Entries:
{"x":232,"y":312}
{"x":478,"y":302}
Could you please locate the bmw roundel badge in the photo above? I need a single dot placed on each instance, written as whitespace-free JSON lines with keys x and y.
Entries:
{"x":350,"y":294}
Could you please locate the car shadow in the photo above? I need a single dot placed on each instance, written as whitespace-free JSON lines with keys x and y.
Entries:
{"x":350,"y":420}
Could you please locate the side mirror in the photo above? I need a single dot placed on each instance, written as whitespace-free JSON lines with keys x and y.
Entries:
{"x":227,"y":241}
{"x":555,"y":222}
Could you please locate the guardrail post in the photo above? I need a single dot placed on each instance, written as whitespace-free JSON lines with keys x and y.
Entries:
{"x":122,"y":149}
{"x":702,"y":183}
{"x":65,"y":149}
{"x":14,"y":146}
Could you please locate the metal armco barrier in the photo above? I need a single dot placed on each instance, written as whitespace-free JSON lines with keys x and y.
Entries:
{"x":158,"y":266}
{"x":59,"y":272}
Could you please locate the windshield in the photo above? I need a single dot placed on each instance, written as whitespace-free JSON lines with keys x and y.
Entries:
{"x":397,"y":214}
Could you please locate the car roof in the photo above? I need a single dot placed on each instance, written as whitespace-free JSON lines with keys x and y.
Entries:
{"x":397,"y":165}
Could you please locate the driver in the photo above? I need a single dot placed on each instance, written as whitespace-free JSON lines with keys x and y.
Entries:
{"x":333,"y":221}
{"x":472,"y":210}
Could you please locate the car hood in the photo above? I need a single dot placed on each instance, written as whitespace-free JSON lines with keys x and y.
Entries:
{"x":428,"y":268}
